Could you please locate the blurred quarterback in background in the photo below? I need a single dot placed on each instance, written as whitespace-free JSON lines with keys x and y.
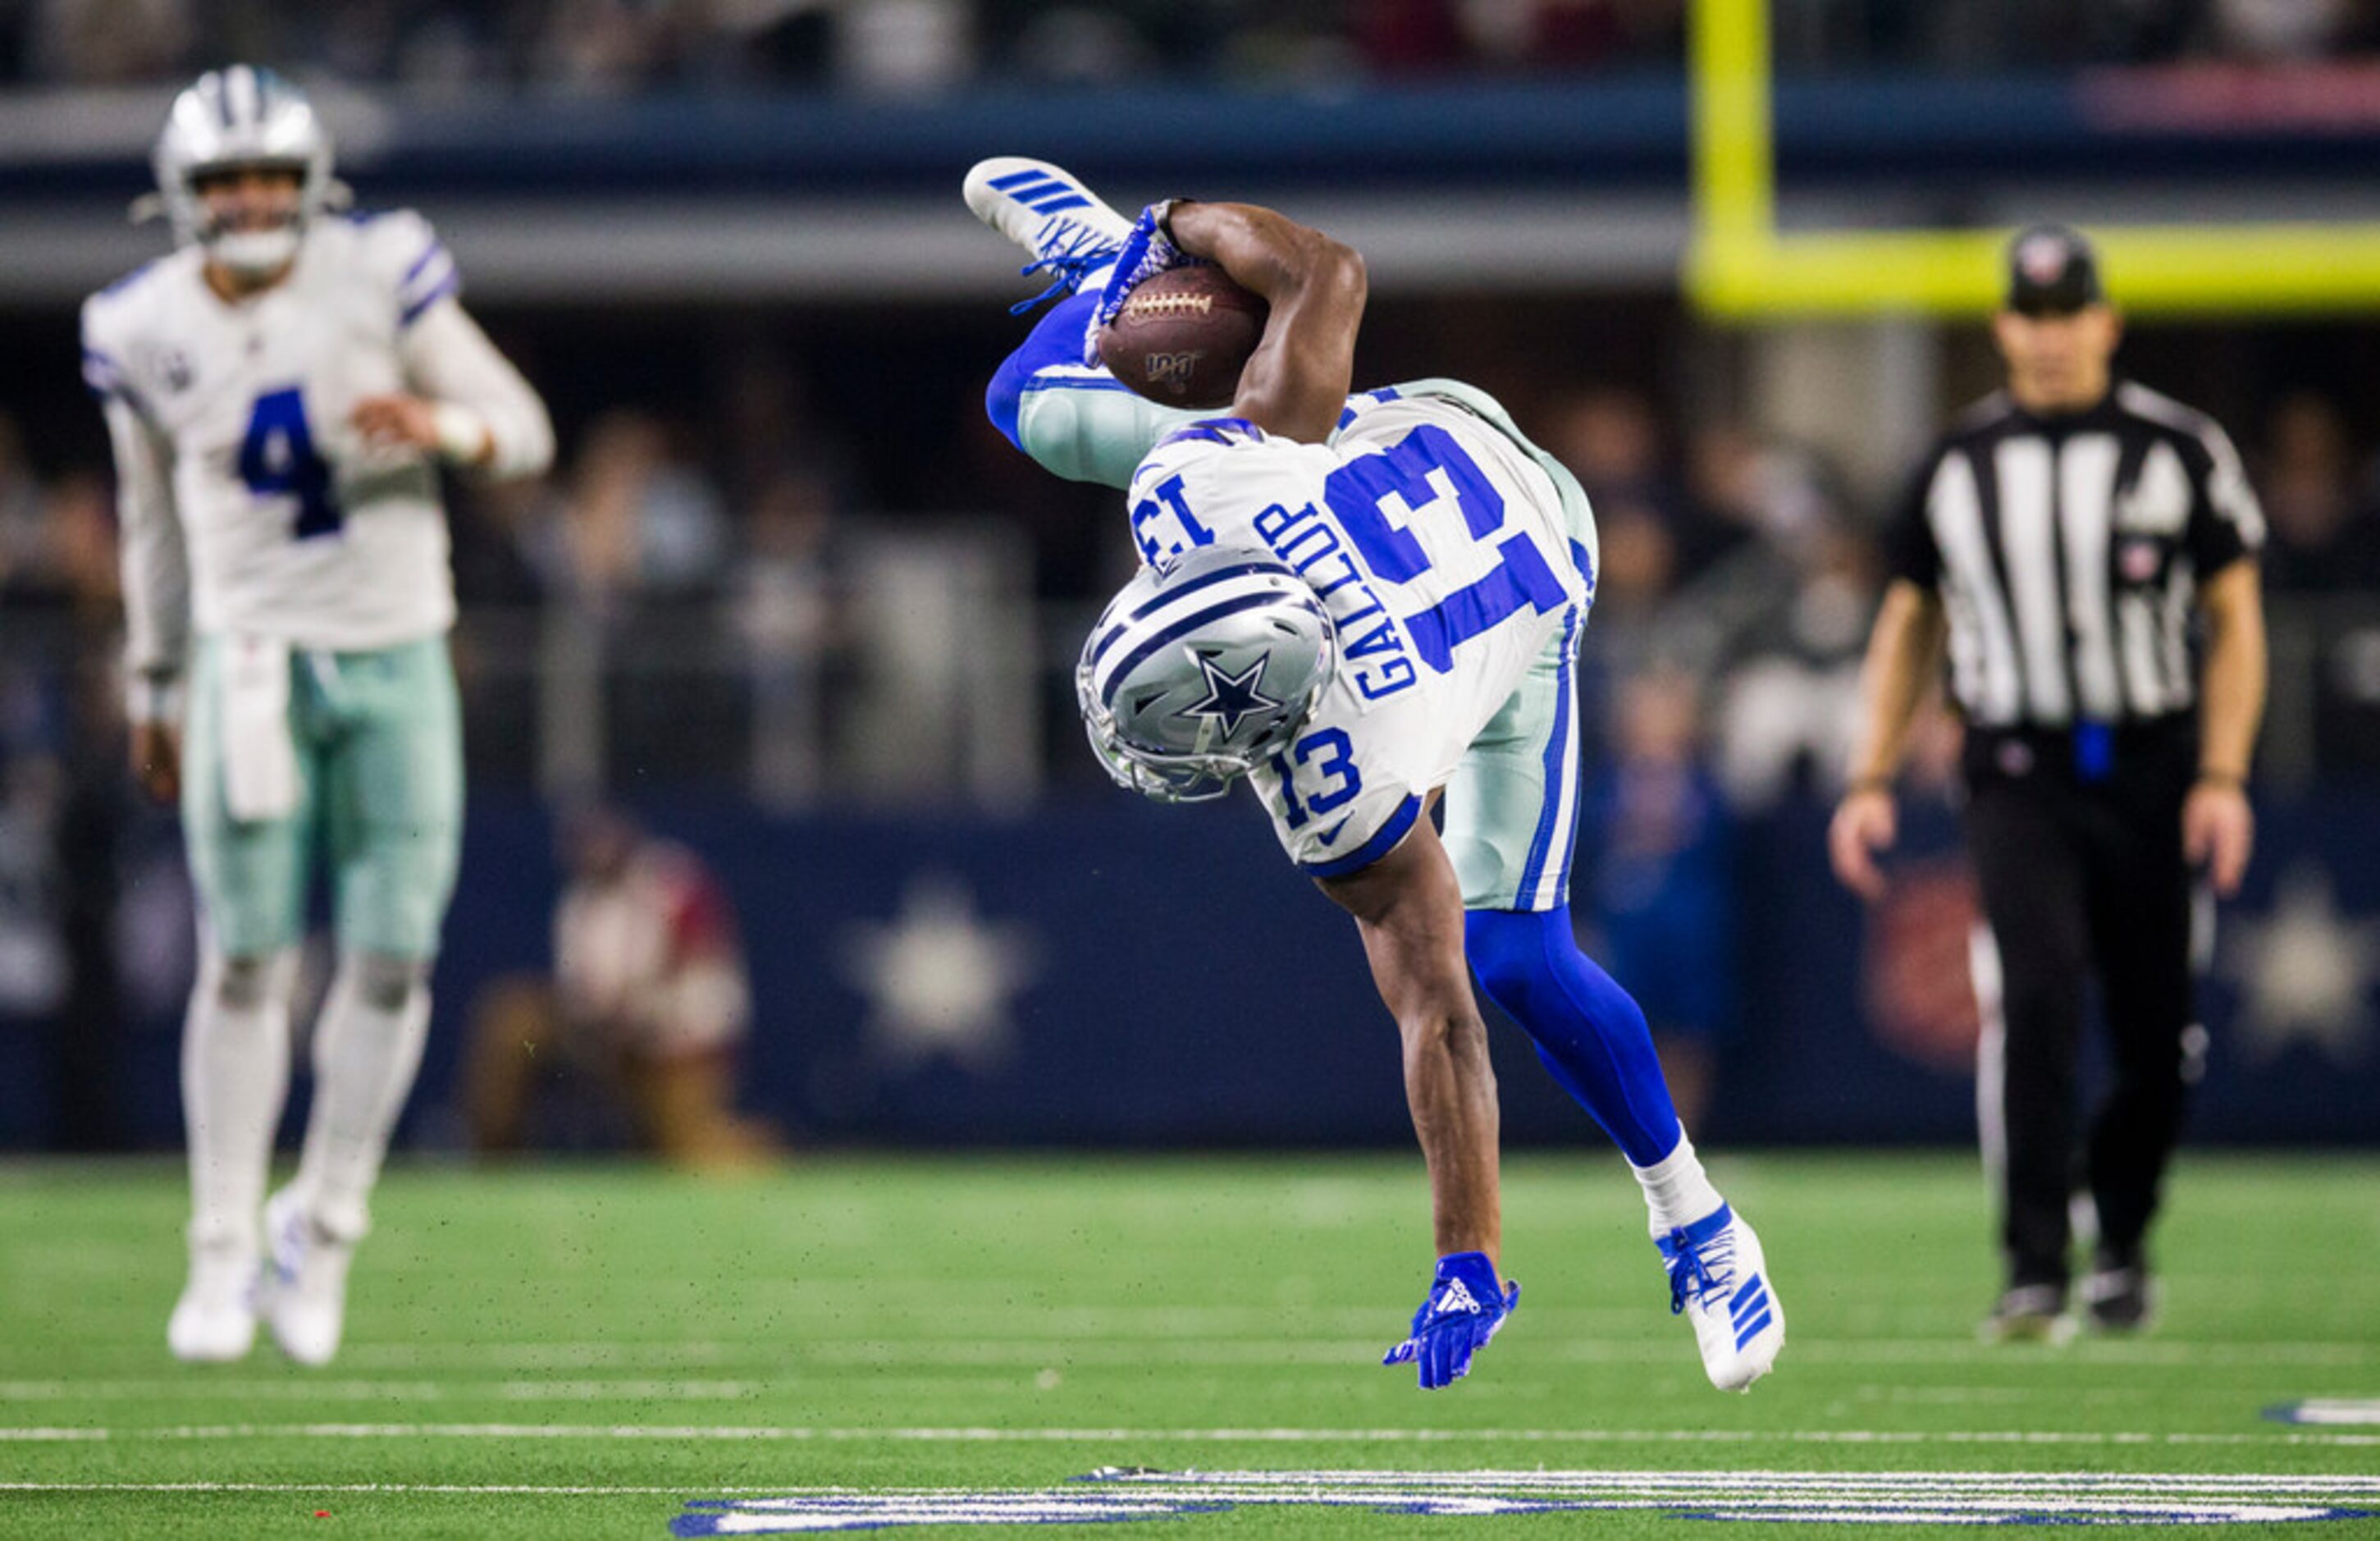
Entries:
{"x":280,"y":393}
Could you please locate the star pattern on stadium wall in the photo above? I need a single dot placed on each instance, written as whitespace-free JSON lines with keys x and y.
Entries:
{"x":1232,"y":698}
{"x":2306,"y":972}
{"x":939,"y":978}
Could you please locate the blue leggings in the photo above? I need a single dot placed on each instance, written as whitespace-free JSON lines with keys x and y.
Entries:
{"x":1587,"y":1030}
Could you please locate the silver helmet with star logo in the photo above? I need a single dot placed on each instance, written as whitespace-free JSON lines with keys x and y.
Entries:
{"x":1201,"y":669}
{"x":230,"y":119}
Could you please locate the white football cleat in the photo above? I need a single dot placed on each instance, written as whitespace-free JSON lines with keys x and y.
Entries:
{"x":307,"y":1303}
{"x":1049,"y":212}
{"x":214,"y":1322}
{"x":1719,"y":1279}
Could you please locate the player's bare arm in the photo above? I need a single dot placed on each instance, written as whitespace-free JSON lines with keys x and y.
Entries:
{"x":1409,"y":909}
{"x":2218,"y":830}
{"x":1297,"y":380}
{"x":1902,"y":654}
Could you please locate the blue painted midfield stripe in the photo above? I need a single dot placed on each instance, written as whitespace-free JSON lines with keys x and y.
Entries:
{"x":1751,"y":1329}
{"x":1372,"y":850}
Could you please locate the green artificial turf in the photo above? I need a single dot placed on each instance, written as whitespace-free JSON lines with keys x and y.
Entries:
{"x":995,"y":1323}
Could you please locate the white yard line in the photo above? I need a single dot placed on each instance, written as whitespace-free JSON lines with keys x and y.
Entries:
{"x":1970,"y":1487}
{"x":286,"y":1389}
{"x":2279,"y":1436}
{"x":533,"y":1489}
{"x":779,"y":1357}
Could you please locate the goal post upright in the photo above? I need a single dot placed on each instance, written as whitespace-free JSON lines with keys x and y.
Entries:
{"x":1740,"y":266}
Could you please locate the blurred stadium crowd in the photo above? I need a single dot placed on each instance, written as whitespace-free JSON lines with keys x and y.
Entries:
{"x":605,"y":46}
{"x":728,"y":529}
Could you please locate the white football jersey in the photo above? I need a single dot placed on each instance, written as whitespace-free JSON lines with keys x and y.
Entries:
{"x":1444,"y":554}
{"x":293,"y":528}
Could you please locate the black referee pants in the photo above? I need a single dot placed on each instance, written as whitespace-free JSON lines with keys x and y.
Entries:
{"x":2084,"y":880}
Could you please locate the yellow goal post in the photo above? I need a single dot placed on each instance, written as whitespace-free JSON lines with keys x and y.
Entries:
{"x":1739,"y":267}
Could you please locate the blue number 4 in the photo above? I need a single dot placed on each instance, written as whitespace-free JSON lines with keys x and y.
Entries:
{"x":277,"y":458}
{"x":1357,"y":491}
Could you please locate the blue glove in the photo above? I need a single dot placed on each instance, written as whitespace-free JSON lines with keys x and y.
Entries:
{"x":1466,"y":1308}
{"x":1147,"y":252}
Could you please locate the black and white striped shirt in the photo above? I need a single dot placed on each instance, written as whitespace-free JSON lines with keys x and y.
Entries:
{"x":2067,"y":550}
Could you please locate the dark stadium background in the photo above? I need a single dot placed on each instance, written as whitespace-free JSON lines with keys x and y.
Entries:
{"x":733,"y":256}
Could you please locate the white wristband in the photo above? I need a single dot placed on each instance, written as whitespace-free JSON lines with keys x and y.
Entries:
{"x":463,"y":435}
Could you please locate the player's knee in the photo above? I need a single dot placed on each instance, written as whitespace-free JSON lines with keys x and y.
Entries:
{"x":1003,"y":399}
{"x":1480,"y":867}
{"x":240,"y":983}
{"x":1513,"y":952}
{"x":387,"y":983}
{"x":1440,"y":1021}
{"x":1052,"y":427}
{"x":2050,"y":997}
{"x":1529,"y":963}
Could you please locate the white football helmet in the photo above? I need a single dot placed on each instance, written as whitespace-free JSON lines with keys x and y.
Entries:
{"x":1200,"y":670}
{"x":236,"y":117}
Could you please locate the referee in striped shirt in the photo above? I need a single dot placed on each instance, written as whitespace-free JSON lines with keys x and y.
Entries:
{"x":2086,"y":549}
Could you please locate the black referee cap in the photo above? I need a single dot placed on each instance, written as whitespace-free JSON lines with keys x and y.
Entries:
{"x":2052,"y":271}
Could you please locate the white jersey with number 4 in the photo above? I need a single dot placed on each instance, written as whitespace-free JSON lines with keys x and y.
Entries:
{"x":1447,"y":559}
{"x":252,"y":506}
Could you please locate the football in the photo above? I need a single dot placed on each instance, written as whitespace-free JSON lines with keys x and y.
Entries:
{"x":1183,"y":335}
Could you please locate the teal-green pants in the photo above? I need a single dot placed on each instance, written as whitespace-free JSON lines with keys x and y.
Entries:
{"x":378,"y":741}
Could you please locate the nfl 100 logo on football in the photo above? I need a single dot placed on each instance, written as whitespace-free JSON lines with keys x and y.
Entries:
{"x":1173,"y":371}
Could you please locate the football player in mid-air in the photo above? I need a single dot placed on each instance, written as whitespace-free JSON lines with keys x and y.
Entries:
{"x":1361,"y":605}
{"x":280,"y":393}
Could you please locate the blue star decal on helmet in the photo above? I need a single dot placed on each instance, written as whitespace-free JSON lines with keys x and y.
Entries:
{"x":1232,"y":698}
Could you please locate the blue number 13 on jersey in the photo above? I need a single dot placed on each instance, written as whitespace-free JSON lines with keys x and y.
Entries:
{"x":1522,"y":578}
{"x":277,"y":458}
